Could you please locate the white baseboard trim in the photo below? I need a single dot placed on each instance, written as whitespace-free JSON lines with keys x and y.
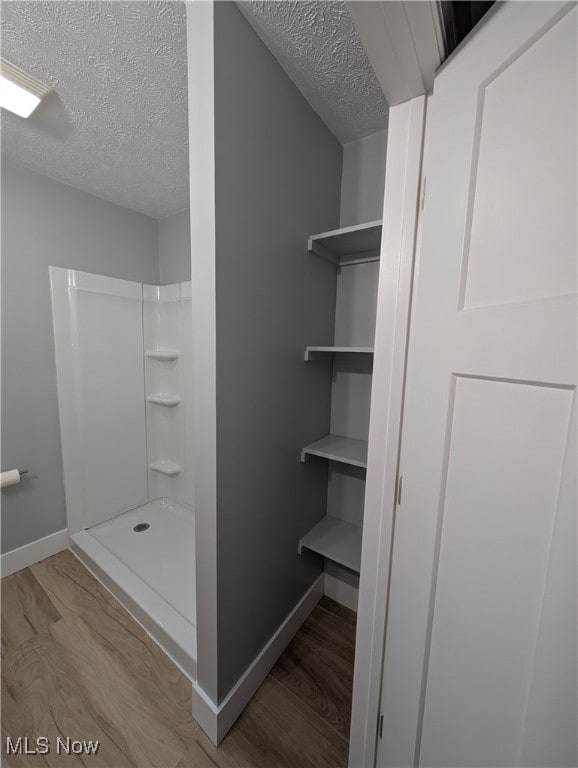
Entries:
{"x":342,"y":593}
{"x":206,"y":713}
{"x":20,"y":558}
{"x":215,"y":720}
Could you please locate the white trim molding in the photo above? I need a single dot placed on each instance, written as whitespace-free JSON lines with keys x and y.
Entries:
{"x":200,"y":34}
{"x":17,"y":559}
{"x":398,"y":248}
{"x":404,"y":42}
{"x":216,"y":720}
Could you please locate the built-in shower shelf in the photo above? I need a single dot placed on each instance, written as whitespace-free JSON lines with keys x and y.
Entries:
{"x":165,"y":355}
{"x":169,"y":401}
{"x":168,"y":468}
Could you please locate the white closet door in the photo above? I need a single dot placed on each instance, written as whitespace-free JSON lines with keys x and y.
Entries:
{"x":481,"y":650}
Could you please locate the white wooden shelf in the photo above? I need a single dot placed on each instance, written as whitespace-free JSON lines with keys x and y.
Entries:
{"x":337,"y":540}
{"x":168,"y":401}
{"x":349,"y":245}
{"x":165,"y":467}
{"x":328,"y":353}
{"x":164,"y":355}
{"x":346,"y":450}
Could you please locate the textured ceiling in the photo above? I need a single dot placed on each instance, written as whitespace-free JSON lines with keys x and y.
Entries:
{"x":319,"y":48}
{"x":116,"y":124}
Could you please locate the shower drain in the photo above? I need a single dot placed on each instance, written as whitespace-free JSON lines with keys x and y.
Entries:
{"x":141,"y":527}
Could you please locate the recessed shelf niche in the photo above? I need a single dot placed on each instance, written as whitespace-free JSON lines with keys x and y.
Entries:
{"x":355,"y":252}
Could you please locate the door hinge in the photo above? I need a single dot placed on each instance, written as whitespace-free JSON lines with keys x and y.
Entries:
{"x":380,"y":726}
{"x":422,"y":201}
{"x":398,"y":487}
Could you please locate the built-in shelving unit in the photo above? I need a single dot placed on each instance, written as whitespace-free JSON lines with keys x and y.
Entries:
{"x":336,"y":539}
{"x":329,"y":353}
{"x":348,"y":245}
{"x":168,"y":401}
{"x":338,"y":535}
{"x":346,"y":450}
{"x":168,"y":468}
{"x":164,"y":355}
{"x":167,"y":323}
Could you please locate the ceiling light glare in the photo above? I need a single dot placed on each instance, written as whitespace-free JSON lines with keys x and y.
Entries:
{"x":20,"y":93}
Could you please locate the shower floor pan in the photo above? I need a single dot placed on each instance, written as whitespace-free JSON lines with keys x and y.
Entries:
{"x":146,"y":558}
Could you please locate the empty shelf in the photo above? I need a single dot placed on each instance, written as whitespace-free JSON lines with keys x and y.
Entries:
{"x":337,"y":540}
{"x":169,"y":401}
{"x":350,"y":245}
{"x":165,"y":467}
{"x":166,"y":355}
{"x":346,"y":450}
{"x":328,"y":353}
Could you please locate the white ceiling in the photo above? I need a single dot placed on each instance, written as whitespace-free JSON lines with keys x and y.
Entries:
{"x":318,"y":46}
{"x":116,"y":124}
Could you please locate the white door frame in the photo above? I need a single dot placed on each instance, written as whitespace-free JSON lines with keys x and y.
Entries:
{"x":404,"y":42}
{"x":406,"y":135}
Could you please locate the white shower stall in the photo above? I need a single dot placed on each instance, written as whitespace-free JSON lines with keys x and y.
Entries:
{"x":124,"y":370}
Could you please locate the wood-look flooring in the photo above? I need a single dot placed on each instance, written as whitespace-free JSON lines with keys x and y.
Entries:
{"x":74,"y":663}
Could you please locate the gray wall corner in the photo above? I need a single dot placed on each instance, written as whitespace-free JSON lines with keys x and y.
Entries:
{"x":363,"y":181}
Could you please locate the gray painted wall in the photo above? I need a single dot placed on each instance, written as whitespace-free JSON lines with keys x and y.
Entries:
{"x":363,"y":179}
{"x":174,"y":234}
{"x":43,"y":223}
{"x":278,"y":179}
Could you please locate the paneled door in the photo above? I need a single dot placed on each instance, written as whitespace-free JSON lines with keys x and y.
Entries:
{"x":480,"y":665}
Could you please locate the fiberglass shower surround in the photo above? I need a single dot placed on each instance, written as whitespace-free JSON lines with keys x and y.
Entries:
{"x":123,"y":359}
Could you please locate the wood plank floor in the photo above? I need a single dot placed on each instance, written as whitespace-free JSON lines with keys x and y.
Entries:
{"x":76,"y":664}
